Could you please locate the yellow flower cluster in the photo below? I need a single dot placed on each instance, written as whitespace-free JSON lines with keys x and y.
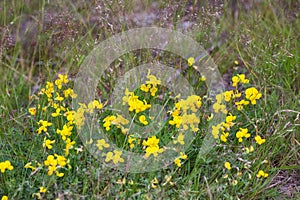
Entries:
{"x":119,"y":121}
{"x":43,"y":126}
{"x":6,"y":165}
{"x":114,"y":156}
{"x":224,"y":127}
{"x":191,"y":61}
{"x":180,"y":139}
{"x":152,"y":146}
{"x":65,"y":132}
{"x":242,"y":133}
{"x":58,"y":95}
{"x":177,"y":160}
{"x":252,"y":94}
{"x":48,"y":143}
{"x":134,"y":103}
{"x":32,"y":110}
{"x":132,"y":140}
{"x":237,"y":99}
{"x":48,"y":90}
{"x":185,"y":113}
{"x":239,"y":78}
{"x":102,"y":144}
{"x":54,"y":162}
{"x":261,"y":173}
{"x":77,"y":117}
{"x":143,"y":120}
{"x":151,"y":84}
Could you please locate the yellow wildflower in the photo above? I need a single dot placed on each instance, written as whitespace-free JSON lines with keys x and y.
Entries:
{"x":152,"y":80}
{"x":143,"y":120}
{"x":131,"y":139}
{"x":261,"y":173}
{"x":69,"y":93}
{"x":216,"y":130}
{"x":61,"y":79}
{"x":145,"y":87}
{"x":219,"y":107}
{"x":249,"y":149}
{"x":241,"y":103}
{"x":154,"y":183}
{"x":29,"y":166}
{"x":119,"y":121}
{"x":43,"y":189}
{"x":66,"y":131}
{"x":69,"y":145}
{"x":102,"y":143}
{"x":79,"y":117}
{"x":243,"y":132}
{"x":32,"y":111}
{"x":56,"y":113}
{"x":153,"y":91}
{"x":183,"y":155}
{"x":48,"y":143}
{"x":93,"y":105}
{"x":180,"y":139}
{"x":152,"y":146}
{"x":227,"y":165}
{"x":114,"y":156}
{"x":58,"y":97}
{"x":43,"y":127}
{"x":224,"y":136}
{"x":252,"y":94}
{"x":228,"y":95}
{"x":259,"y":140}
{"x":202,"y":78}
{"x":191,"y":61}
{"x":5,"y":165}
{"x":239,"y":78}
{"x":177,"y":161}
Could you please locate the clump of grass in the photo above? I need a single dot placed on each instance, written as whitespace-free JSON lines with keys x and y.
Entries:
{"x":56,"y":125}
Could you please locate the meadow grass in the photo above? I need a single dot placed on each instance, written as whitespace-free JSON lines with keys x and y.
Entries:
{"x":265,"y":43}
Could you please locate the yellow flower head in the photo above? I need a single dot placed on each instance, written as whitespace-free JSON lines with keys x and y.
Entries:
{"x":191,"y":61}
{"x":242,"y":133}
{"x":48,"y":143}
{"x":177,"y":162}
{"x":227,"y":165}
{"x":143,"y":120}
{"x":154,"y":183}
{"x":43,"y":189}
{"x":152,"y":146}
{"x":32,"y":111}
{"x":180,"y":139}
{"x":261,"y":173}
{"x":102,"y":143}
{"x":114,"y":156}
{"x":259,"y":140}
{"x":252,"y":94}
{"x":5,"y":165}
